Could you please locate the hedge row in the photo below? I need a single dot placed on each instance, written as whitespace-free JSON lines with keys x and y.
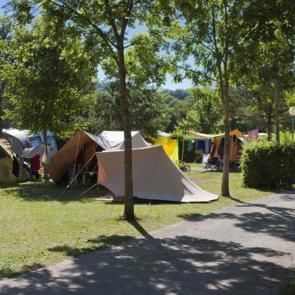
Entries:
{"x":268,"y":165}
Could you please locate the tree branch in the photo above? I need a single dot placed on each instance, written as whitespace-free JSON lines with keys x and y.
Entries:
{"x":86,"y":18}
{"x":125,"y":19}
{"x":111,"y":18}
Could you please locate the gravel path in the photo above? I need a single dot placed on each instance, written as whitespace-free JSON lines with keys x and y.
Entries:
{"x":246,"y":249}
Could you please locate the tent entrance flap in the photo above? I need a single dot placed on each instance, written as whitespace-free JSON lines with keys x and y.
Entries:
{"x":155,"y":176}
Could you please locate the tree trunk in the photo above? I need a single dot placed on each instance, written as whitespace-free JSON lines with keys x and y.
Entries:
{"x":225,"y":174}
{"x":2,"y":88}
{"x":269,"y":126}
{"x":277,"y":110}
{"x":128,"y":200}
{"x":45,"y":163}
{"x":1,"y":114}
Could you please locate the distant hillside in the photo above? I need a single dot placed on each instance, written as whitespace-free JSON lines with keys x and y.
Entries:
{"x":180,"y":94}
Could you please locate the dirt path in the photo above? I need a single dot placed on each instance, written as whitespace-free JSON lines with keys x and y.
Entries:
{"x":246,"y":249}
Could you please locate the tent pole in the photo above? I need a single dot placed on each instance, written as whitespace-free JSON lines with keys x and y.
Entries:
{"x":182,"y":152}
{"x":75,"y":176}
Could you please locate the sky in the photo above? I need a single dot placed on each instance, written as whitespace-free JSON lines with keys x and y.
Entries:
{"x":169,"y":84}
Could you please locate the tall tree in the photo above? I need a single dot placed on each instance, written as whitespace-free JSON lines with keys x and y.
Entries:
{"x":108,"y":22}
{"x":207,"y":33}
{"x":265,"y":58}
{"x":5,"y":59}
{"x":146,"y":70}
{"x":50,"y":78}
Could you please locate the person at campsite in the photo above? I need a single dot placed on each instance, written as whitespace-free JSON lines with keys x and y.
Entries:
{"x":35,"y":167}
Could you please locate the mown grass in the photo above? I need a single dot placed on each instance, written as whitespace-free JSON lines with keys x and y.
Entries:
{"x":41,"y":223}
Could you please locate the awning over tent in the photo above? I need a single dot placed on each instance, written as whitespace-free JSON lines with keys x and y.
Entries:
{"x":204,"y":136}
{"x":155,"y":177}
{"x":201,"y":136}
{"x":163,"y":134}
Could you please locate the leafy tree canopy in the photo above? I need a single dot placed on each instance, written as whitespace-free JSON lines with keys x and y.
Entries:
{"x":50,"y":79}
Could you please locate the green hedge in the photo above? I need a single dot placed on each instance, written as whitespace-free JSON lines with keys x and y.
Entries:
{"x":268,"y":165}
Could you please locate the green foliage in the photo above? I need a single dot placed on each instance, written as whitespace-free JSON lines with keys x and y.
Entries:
{"x":180,"y":94}
{"x":148,"y":110}
{"x":206,"y":113}
{"x":178,"y":108}
{"x":265,"y":59}
{"x":5,"y":60}
{"x":145,"y":64}
{"x":268,"y":165}
{"x":290,"y":97}
{"x":49,"y":81}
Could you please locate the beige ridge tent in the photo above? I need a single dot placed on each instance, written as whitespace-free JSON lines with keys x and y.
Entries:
{"x":155,"y":176}
{"x":79,"y":152}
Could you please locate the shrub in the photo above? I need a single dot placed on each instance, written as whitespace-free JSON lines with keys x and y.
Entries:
{"x":268,"y":165}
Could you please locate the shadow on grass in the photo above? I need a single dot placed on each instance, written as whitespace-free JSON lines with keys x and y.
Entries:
{"x":101,"y":242}
{"x":42,"y":191}
{"x":178,"y":265}
{"x":9,"y":273}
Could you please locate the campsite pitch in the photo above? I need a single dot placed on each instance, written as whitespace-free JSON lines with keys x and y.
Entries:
{"x":40,"y":224}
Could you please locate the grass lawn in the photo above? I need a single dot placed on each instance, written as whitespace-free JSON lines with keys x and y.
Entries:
{"x":40,"y":226}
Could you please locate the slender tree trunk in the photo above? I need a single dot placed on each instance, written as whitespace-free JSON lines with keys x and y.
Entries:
{"x":2,"y":88}
{"x":277,"y":110}
{"x":45,"y":163}
{"x":225,"y":174}
{"x":1,"y":114}
{"x":129,"y":202}
{"x":269,"y":126}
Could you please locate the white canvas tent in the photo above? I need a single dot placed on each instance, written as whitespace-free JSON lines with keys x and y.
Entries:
{"x":114,"y":140}
{"x":155,"y":176}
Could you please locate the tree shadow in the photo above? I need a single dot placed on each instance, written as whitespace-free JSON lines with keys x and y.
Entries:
{"x":42,"y":191}
{"x":141,"y":230}
{"x":174,"y":265}
{"x":179,"y":265}
{"x":7,"y":272}
{"x":262,"y":218}
{"x":101,"y":242}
